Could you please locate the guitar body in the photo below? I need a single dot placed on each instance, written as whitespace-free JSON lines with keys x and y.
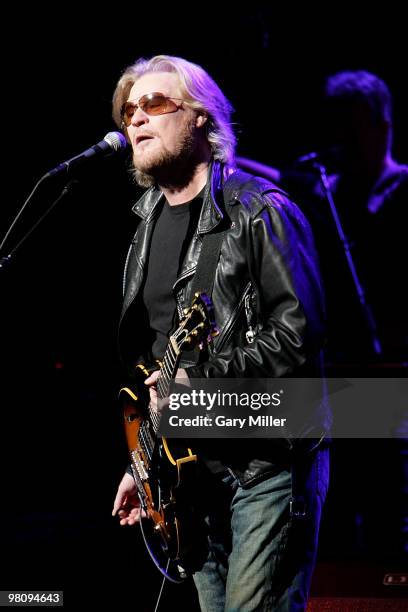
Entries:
{"x":165,"y":473}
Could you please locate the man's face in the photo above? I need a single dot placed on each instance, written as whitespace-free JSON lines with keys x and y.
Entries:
{"x":351,"y":129}
{"x":160,"y":141}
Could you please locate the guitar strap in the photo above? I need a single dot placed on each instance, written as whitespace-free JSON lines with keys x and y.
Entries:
{"x":203,"y":280}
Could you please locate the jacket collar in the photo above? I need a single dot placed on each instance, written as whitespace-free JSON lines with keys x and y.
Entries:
{"x":211,"y":211}
{"x":146,"y":206}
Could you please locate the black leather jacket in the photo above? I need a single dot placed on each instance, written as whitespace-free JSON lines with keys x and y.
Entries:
{"x":267,"y":254}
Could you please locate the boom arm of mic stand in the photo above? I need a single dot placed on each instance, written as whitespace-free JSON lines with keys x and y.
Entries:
{"x":5,"y":261}
{"x":368,"y":314}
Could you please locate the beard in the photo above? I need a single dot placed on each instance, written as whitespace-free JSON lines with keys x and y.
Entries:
{"x":170,"y":168}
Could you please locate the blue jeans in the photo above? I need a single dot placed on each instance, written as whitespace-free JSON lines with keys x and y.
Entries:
{"x":260,"y":557}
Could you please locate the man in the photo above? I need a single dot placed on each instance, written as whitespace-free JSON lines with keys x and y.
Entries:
{"x":177,"y":121}
{"x":370,"y":191}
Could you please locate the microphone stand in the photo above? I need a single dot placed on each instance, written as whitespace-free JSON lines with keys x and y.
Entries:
{"x":113,"y":142}
{"x":366,"y":308}
{"x":5,"y":261}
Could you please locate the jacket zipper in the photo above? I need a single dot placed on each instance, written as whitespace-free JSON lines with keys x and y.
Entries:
{"x":147,"y":221}
{"x":125,"y":269}
{"x":228,"y":330}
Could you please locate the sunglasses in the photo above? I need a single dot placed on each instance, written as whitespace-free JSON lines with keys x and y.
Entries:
{"x":151,"y":104}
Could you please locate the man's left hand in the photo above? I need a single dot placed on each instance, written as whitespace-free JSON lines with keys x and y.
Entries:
{"x":181,"y":378}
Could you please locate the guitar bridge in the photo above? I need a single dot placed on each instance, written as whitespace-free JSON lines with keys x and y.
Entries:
{"x":139,"y":465}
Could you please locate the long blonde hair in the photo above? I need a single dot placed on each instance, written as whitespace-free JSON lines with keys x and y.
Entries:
{"x":198,"y":89}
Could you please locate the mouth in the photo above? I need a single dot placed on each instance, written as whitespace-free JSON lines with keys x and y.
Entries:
{"x":142,"y":138}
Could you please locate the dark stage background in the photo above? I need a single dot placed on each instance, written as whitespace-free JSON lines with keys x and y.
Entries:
{"x":62,"y":450}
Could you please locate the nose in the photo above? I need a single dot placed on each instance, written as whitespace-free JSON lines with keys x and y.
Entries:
{"x":139,"y":117}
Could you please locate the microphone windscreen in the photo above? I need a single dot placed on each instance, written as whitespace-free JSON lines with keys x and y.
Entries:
{"x":116,"y":140}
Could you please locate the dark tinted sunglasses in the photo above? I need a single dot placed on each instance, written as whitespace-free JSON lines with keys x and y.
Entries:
{"x":151,"y":104}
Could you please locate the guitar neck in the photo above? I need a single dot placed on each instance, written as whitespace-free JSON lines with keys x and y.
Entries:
{"x":168,"y":372}
{"x":198,"y":322}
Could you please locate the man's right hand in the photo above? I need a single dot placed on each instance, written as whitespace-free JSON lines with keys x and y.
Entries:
{"x":127,"y":503}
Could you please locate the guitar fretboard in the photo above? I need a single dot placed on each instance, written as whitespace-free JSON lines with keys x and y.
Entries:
{"x":168,"y":371}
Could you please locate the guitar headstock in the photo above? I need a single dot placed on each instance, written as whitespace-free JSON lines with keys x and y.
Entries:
{"x":198,"y":324}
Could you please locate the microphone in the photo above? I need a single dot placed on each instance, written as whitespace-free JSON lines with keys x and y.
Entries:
{"x":332,"y":155}
{"x":113,"y":142}
{"x":309,"y":157}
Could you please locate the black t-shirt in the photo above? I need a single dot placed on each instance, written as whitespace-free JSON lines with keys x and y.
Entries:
{"x":171,"y":236}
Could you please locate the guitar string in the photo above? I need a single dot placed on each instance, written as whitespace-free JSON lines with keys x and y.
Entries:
{"x":167,"y":372}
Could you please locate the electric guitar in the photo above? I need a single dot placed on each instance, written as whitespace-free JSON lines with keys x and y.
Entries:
{"x":165,"y":474}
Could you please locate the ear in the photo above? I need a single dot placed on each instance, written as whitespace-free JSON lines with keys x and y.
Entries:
{"x":201,"y":120}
